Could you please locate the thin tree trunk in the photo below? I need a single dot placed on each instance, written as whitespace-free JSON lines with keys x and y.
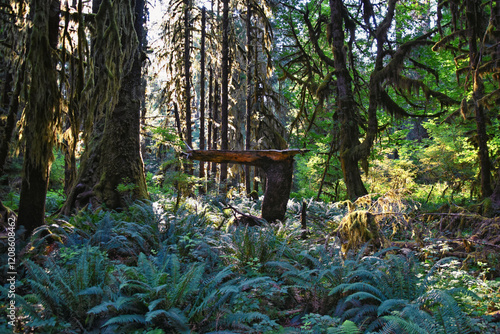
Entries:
{"x":187,"y":77}
{"x":12,"y":106}
{"x":216,"y":120}
{"x":178,"y":121}
{"x":210,"y":116}
{"x":202,"y":90}
{"x":325,"y":172}
{"x":225,"y":86}
{"x":248,"y":183}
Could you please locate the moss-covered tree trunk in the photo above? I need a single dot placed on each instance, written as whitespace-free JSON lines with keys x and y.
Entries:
{"x":112,"y":170}
{"x":41,"y":115}
{"x":187,"y":78}
{"x":12,"y":106}
{"x":349,"y":133}
{"x":473,"y":22}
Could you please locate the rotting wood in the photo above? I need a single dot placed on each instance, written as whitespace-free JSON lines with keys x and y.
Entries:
{"x":277,"y":164}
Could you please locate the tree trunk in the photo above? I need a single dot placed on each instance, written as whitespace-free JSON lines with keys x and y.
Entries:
{"x":278,"y":166}
{"x":187,"y":77}
{"x":12,"y":106}
{"x":477,"y":95}
{"x":112,"y":170}
{"x":215,"y":131}
{"x":41,"y":114}
{"x":248,"y":184}
{"x":225,"y":86}
{"x":178,"y":121}
{"x":349,"y":133}
{"x":202,"y":91}
{"x":210,"y":116}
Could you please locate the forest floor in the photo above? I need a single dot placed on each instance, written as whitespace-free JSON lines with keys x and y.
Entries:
{"x":380,"y":264}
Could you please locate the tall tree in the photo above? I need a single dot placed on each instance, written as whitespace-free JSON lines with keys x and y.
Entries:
{"x":187,"y":77}
{"x":224,"y":85}
{"x":249,"y":69}
{"x":112,"y":170}
{"x":474,"y":26}
{"x":14,"y":37}
{"x":42,"y":113}
{"x":324,"y":72}
{"x":202,"y":88}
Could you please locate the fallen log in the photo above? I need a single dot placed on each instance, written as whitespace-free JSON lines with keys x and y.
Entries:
{"x":278,"y":166}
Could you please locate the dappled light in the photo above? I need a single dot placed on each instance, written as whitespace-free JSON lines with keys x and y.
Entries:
{"x":249,"y":166}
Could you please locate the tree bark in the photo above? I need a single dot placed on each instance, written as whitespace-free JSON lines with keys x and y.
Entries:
{"x":41,"y":115}
{"x":210,"y":116}
{"x":113,"y":157}
{"x":225,"y":86}
{"x":202,"y":90}
{"x":248,"y":184}
{"x":187,"y":77}
{"x":349,"y":133}
{"x":12,"y":106}
{"x":215,"y":131}
{"x":278,"y":166}
{"x":477,"y":95}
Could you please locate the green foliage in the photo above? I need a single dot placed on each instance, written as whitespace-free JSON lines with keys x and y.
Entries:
{"x":155,"y":267}
{"x":54,"y":200}
{"x":62,"y":291}
{"x":391,"y":292}
{"x":56,"y":180}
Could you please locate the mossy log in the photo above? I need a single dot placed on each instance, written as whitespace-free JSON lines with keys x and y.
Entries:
{"x":278,"y":166}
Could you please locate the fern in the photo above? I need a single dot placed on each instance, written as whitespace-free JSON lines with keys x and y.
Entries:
{"x":397,"y":324}
{"x":68,"y":292}
{"x":388,"y":294}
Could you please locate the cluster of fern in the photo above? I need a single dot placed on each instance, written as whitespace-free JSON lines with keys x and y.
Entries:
{"x":156,"y":268}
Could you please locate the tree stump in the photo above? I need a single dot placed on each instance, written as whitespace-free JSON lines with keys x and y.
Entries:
{"x":278,"y":166}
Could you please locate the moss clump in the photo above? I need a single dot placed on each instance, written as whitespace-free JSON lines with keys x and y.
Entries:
{"x":358,"y":228}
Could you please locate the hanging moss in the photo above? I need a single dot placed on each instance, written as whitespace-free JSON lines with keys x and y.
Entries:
{"x":41,"y":117}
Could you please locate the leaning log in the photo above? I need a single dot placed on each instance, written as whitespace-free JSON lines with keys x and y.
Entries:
{"x":278,"y":166}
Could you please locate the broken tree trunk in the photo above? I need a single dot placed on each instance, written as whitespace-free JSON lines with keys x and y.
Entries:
{"x":278,"y":166}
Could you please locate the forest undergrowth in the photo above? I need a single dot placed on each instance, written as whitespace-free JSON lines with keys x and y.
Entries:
{"x":378,"y":265}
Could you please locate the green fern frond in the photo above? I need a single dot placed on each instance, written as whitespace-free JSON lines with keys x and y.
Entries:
{"x":93,"y":290}
{"x":104,"y":307}
{"x":151,"y":315}
{"x":362,"y":286}
{"x":178,"y":320}
{"x":152,"y":305}
{"x":282,"y":265}
{"x":244,"y":318}
{"x":361,"y":295}
{"x":364,"y":275}
{"x":338,"y":289}
{"x":126,"y":319}
{"x":189,"y":282}
{"x":401,"y":326}
{"x":391,"y":304}
{"x":384,"y":251}
{"x":347,"y":327}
